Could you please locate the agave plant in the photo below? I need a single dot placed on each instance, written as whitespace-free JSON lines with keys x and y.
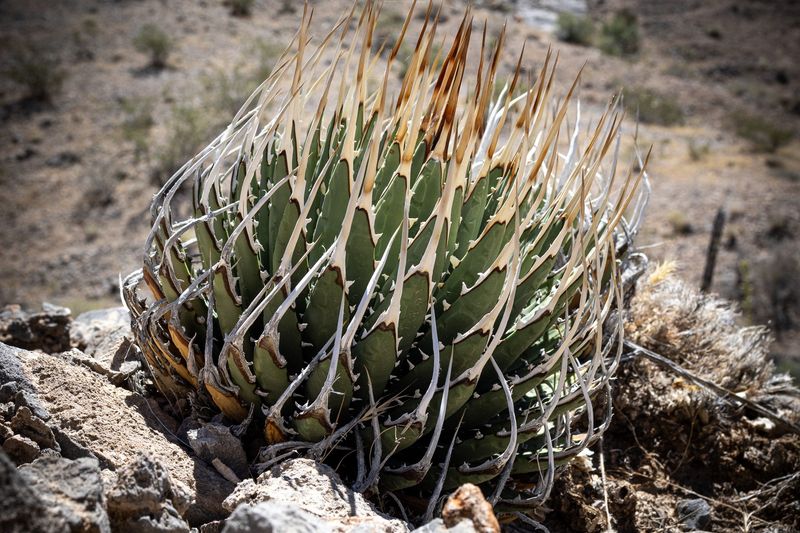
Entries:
{"x":418,"y":289}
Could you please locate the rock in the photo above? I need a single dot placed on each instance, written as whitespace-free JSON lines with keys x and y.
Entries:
{"x":8,"y":390}
{"x":212,"y":527}
{"x":63,"y":159}
{"x":317,"y":489}
{"x":106,"y":367}
{"x":468,"y":503}
{"x":273,"y":517}
{"x":143,"y":498}
{"x":215,"y":441}
{"x":31,"y":400}
{"x":116,"y":425}
{"x":71,"y":493}
{"x":17,"y":386}
{"x":12,"y":373}
{"x":69,"y":448}
{"x":437,"y":526}
{"x":21,"y":449}
{"x":99,"y":334}
{"x":693,"y":514}
{"x":47,"y":330}
{"x":27,"y":424}
{"x":23,"y":510}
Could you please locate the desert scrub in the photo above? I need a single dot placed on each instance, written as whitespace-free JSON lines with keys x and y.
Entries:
{"x":39,"y":73}
{"x":680,"y":223}
{"x":698,"y":150}
{"x":155,"y":43}
{"x":653,"y":107}
{"x":415,"y":289}
{"x":763,"y":134}
{"x":575,"y":29}
{"x":240,"y":8}
{"x":137,"y":124}
{"x":191,"y":125}
{"x":619,"y":35}
{"x":266,"y":53}
{"x":188,"y":129}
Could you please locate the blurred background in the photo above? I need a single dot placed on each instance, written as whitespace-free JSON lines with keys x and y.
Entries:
{"x":101,"y":100}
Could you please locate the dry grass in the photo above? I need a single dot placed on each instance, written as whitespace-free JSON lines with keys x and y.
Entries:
{"x":672,"y":439}
{"x":700,"y":332}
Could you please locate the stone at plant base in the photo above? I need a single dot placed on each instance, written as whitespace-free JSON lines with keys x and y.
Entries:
{"x":273,"y":517}
{"x":98,"y":333}
{"x":317,"y":489}
{"x":105,"y":335}
{"x":694,"y":514}
{"x":144,"y":499}
{"x":22,"y":510}
{"x":116,"y":425}
{"x":468,"y":503}
{"x":215,"y":441}
{"x":71,"y":493}
{"x":437,"y":526}
{"x":21,"y":449}
{"x":31,"y":426}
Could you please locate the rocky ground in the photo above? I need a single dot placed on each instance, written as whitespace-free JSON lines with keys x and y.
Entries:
{"x":88,"y":445}
{"x":715,"y":85}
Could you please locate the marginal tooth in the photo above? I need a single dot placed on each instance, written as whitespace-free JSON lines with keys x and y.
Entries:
{"x":302,"y":327}
{"x":425,"y":356}
{"x":410,"y":365}
{"x":496,"y":387}
{"x":476,"y":395}
{"x":305,"y":344}
{"x":445,"y":305}
{"x":417,"y":394}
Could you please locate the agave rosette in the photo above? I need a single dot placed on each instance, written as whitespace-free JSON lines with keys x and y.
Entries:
{"x":419,"y":287}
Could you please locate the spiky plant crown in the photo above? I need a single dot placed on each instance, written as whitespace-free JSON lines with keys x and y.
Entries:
{"x":412,"y":288}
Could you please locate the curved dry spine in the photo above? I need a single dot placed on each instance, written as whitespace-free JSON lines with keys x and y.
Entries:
{"x":423,"y":286}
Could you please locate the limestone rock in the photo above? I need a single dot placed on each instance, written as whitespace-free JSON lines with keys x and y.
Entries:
{"x":215,"y":441}
{"x":273,"y":517}
{"x":16,"y":385}
{"x":143,"y":498}
{"x":71,"y":493}
{"x":694,"y":514}
{"x":100,"y":332}
{"x":437,"y":526}
{"x":23,"y":510}
{"x":116,"y":425}
{"x":28,"y":425}
{"x":21,"y":449}
{"x":318,"y":490}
